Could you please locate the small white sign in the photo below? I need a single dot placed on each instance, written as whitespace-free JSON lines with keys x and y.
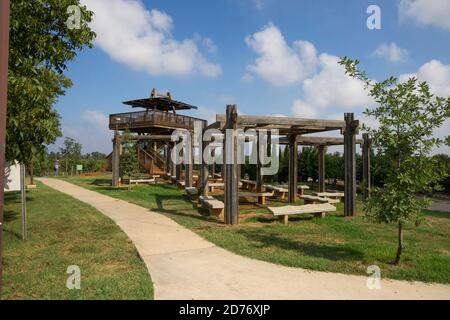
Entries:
{"x":12,"y":177}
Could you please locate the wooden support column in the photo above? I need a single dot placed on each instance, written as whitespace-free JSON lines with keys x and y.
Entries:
{"x":166,"y":159}
{"x":213,"y":166}
{"x":115,"y":161}
{"x":189,"y":164}
{"x":259,"y":178}
{"x":350,"y":130}
{"x":293,"y":168}
{"x":204,"y":171}
{"x":322,"y":150}
{"x":366,"y":150}
{"x":178,"y":166}
{"x":231,"y":168}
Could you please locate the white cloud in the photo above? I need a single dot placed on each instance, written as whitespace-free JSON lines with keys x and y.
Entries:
{"x":426,"y":12}
{"x":141,"y":39}
{"x":436,"y":74}
{"x":392,"y":52}
{"x":93,"y":133}
{"x":278,"y":62}
{"x":330,"y":88}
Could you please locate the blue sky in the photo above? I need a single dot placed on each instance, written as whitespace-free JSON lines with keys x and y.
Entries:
{"x":268,"y":57}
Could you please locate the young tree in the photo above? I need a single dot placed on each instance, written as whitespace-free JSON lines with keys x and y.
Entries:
{"x":407,"y":114}
{"x":128,"y":160}
{"x":70,"y":152}
{"x":41,"y":44}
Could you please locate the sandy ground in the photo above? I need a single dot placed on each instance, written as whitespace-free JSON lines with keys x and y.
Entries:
{"x":185,"y":266}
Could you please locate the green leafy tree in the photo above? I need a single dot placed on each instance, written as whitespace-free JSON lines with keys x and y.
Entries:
{"x":128,"y":160}
{"x":41,"y":45}
{"x":70,"y":152}
{"x":407,"y":114}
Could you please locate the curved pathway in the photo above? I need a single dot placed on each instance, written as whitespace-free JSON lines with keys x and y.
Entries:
{"x":185,"y":266}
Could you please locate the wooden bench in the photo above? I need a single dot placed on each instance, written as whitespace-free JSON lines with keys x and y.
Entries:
{"x":142,"y":181}
{"x":192,"y":193}
{"x":260,"y":195}
{"x":316,"y":209}
{"x":279,"y":191}
{"x":214,"y":206}
{"x":248,"y":185}
{"x":214,"y":185}
{"x":301,"y":189}
{"x":332,"y":195}
{"x":314,"y":199}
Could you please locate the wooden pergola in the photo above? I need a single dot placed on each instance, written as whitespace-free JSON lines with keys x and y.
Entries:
{"x":292,"y":131}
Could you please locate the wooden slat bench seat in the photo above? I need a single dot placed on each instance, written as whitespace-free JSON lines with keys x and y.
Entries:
{"x":313,"y":199}
{"x":248,"y":184}
{"x":316,"y":209}
{"x":260,"y":195}
{"x":279,"y":191}
{"x":214,"y":206}
{"x":331,"y":195}
{"x":142,"y":181}
{"x":214,"y":185}
{"x":301,"y":189}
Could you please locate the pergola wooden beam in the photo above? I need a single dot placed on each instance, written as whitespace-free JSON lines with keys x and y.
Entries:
{"x":317,"y":141}
{"x":294,"y":123}
{"x":151,"y":137}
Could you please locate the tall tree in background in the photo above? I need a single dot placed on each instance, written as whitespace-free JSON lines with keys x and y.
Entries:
{"x":407,"y":114}
{"x":70,"y":152}
{"x":41,"y":45}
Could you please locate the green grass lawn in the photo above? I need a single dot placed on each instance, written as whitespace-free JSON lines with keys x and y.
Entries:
{"x":332,"y":244}
{"x":63,"y":231}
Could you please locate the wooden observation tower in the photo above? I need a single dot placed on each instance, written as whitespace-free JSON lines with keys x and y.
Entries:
{"x":152,"y":129}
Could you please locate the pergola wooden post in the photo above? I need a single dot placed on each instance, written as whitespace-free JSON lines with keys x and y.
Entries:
{"x":116,"y":159}
{"x":293,"y":168}
{"x":322,"y":150}
{"x":366,"y":149}
{"x":231,"y":168}
{"x":259,"y":178}
{"x":204,"y":170}
{"x":178,"y":166}
{"x":350,"y":131}
{"x":189,"y":160}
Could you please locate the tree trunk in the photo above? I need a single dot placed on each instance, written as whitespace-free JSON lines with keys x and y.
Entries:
{"x":400,"y":243}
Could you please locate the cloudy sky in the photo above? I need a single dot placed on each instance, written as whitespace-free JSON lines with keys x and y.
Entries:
{"x":270,"y":57}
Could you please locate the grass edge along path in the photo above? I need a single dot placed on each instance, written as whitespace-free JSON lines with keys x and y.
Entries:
{"x":63,"y":231}
{"x":332,"y":244}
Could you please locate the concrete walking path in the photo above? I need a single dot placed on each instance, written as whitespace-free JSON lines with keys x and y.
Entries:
{"x":185,"y":266}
